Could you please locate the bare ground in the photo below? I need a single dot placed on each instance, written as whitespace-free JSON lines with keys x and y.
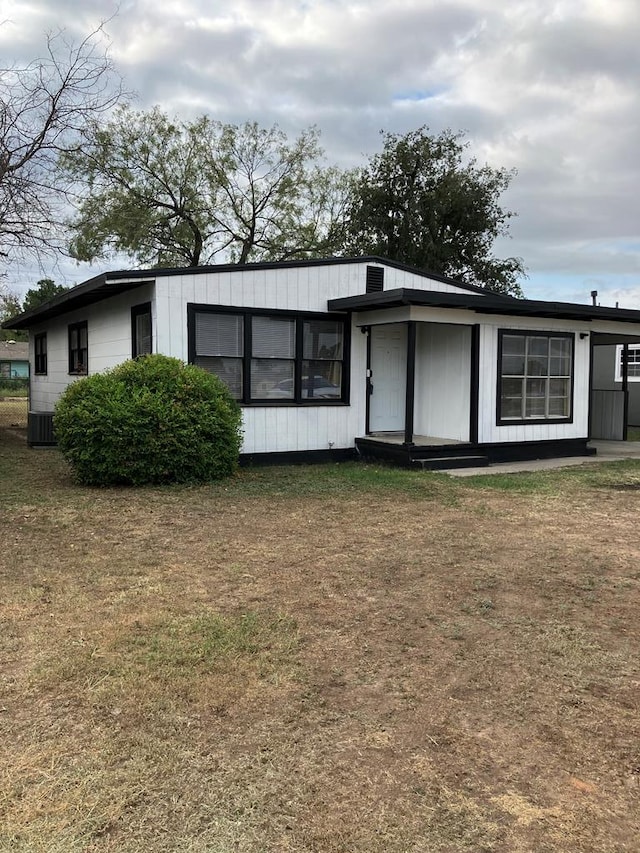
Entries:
{"x":319,"y":660}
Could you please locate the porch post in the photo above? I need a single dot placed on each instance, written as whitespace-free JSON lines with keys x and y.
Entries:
{"x":625,"y":389}
{"x":411,"y":378}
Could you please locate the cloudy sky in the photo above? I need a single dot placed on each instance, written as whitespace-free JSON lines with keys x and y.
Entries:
{"x":548,"y":87}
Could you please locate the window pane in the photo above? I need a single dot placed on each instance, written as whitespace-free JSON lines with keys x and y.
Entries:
{"x":535,"y":407}
{"x":272,"y":379}
{"x":512,"y":365}
{"x":513,"y":344}
{"x":559,"y":407}
{"x":538,"y":346}
{"x":322,"y":339}
{"x":559,"y":388}
{"x":73,"y":339}
{"x":322,"y":379}
{"x":511,"y":407}
{"x":560,"y":366}
{"x":219,"y":334}
{"x":143,"y":334}
{"x":512,"y":387}
{"x":273,"y":337}
{"x":536,"y":387}
{"x":560,"y":346}
{"x":228,"y":369}
{"x":83,"y":337}
{"x":537,"y":366}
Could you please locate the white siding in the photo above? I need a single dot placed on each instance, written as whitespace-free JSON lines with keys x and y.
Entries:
{"x":488,"y":430}
{"x":109,"y":343}
{"x":443,"y":377}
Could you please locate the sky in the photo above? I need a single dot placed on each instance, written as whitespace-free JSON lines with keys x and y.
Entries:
{"x":550,"y":88}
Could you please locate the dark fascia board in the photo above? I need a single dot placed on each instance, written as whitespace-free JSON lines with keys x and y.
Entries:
{"x":490,"y":303}
{"x":108,"y":284}
{"x":91,"y":291}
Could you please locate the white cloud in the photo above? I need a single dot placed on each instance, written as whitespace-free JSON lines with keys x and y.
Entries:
{"x":548,"y":87}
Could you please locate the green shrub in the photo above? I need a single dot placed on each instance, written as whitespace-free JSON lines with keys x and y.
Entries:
{"x":152,"y":420}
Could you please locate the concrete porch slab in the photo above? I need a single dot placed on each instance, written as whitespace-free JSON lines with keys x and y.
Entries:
{"x":607,"y":451}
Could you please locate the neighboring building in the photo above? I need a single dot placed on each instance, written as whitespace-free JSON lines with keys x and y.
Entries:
{"x":621,"y":392}
{"x":14,"y":360}
{"x":333,"y":357}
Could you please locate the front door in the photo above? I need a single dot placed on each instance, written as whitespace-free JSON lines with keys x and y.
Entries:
{"x":388,"y":378}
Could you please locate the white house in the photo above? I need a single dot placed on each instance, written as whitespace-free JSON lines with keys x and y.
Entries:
{"x":338,"y":357}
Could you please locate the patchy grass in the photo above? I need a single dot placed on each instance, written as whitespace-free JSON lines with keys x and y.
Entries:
{"x":329,"y":659}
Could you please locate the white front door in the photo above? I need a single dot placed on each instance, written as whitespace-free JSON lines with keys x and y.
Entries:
{"x":388,"y":378}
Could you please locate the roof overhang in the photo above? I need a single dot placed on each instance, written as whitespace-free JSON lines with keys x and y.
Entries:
{"x":87,"y":293}
{"x":483,"y":304}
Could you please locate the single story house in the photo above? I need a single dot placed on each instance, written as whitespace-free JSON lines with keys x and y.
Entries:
{"x":339,"y":357}
{"x":14,"y":360}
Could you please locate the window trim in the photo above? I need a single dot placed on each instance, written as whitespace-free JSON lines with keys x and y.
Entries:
{"x":40,"y":360}
{"x":70,"y":329}
{"x":300,"y":317}
{"x":618,"y":371}
{"x":137,"y":311}
{"x":536,"y":333}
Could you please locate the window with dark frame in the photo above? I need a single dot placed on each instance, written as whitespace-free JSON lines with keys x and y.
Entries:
{"x":40,"y":354}
{"x":141,"y":330}
{"x":535,"y":377}
{"x":272,"y":358}
{"x":78,"y":349}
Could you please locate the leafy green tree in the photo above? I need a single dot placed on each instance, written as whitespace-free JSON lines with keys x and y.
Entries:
{"x":178,"y":193}
{"x":420,"y":202}
{"x":45,"y":290}
{"x":10,"y":307}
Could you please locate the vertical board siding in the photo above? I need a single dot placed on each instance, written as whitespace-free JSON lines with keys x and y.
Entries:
{"x":443,"y":376}
{"x":109,"y":339}
{"x":489,"y":432}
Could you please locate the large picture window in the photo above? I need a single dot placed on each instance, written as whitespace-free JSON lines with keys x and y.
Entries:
{"x":78,"y":349}
{"x":535,"y":377}
{"x":271,"y":357}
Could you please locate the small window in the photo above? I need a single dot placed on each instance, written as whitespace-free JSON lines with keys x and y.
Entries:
{"x":535,"y":377}
{"x":633,"y":363}
{"x":40,"y":352}
{"x":78,"y":349}
{"x":141,"y":330}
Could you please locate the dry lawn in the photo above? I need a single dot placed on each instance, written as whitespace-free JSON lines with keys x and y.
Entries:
{"x":341,"y":658}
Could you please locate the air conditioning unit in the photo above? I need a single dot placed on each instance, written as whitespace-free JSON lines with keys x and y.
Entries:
{"x":40,"y":429}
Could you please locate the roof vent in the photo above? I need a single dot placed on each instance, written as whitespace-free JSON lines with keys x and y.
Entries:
{"x":375,"y":279}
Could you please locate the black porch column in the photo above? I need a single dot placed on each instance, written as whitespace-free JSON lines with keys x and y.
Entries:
{"x":411,"y":378}
{"x":625,"y":389}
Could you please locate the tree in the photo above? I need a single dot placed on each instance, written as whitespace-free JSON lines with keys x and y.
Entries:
{"x":10,"y":307}
{"x":418,"y":202}
{"x":185,"y":193}
{"x":44,"y":107}
{"x":45,"y":290}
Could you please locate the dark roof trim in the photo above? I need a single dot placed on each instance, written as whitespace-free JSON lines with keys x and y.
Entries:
{"x":488,"y":304}
{"x":110,"y":283}
{"x":87,"y":293}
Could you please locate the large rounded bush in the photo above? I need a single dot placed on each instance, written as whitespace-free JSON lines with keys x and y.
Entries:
{"x":152,"y":420}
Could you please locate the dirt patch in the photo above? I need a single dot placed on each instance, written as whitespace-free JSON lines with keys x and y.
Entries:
{"x":362,"y":670}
